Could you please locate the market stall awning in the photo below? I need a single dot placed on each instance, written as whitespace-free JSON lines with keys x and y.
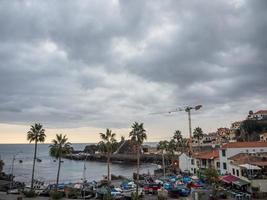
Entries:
{"x":250,"y":167}
{"x":241,"y":183}
{"x":228,"y":178}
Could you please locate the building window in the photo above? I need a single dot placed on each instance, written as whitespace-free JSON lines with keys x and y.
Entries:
{"x":204,"y":162}
{"x":192,"y":161}
{"x":195,"y":171}
{"x":223,"y":152}
{"x":218,"y":164}
{"x":237,"y":172}
{"x":224,"y":166}
{"x":233,"y":171}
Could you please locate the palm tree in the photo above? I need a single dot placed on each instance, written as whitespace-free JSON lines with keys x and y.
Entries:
{"x":184,"y":144}
{"x":178,"y":138}
{"x":138,"y":136}
{"x":59,"y":148}
{"x":108,"y":146}
{"x":171,"y":148}
{"x":163,"y":146}
{"x":36,"y":134}
{"x":198,"y":134}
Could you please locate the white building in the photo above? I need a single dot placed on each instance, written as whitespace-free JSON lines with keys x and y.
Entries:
{"x":233,"y":148}
{"x":263,"y":137}
{"x":199,"y":161}
{"x":259,"y":115}
{"x":251,"y":168}
{"x":185,"y":163}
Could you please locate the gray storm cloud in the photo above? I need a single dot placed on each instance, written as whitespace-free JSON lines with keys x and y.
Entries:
{"x":107,"y":63}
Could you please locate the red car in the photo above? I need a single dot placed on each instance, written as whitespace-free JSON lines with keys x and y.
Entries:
{"x":151,"y":188}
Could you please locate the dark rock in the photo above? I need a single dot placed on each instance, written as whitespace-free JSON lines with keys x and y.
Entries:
{"x":91,"y":149}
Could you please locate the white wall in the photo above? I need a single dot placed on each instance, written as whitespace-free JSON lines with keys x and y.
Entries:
{"x":229,"y":152}
{"x":184,"y":163}
{"x":261,"y":182}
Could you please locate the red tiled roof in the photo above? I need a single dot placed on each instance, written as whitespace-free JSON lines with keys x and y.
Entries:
{"x":260,"y":163}
{"x":261,"y":112}
{"x":245,"y":144}
{"x":207,"y":155}
{"x":244,"y":158}
{"x":228,"y":178}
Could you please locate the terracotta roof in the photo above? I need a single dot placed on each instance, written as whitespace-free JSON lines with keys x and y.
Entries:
{"x":261,"y":112}
{"x":244,"y":158}
{"x":207,"y":154}
{"x":244,"y":144}
{"x":260,"y":163}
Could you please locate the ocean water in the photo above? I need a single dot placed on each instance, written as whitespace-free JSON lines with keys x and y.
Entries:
{"x":71,"y":171}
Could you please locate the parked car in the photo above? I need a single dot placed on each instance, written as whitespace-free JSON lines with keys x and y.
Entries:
{"x":151,"y":188}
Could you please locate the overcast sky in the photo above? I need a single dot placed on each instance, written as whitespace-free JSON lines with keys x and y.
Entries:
{"x":79,"y":67}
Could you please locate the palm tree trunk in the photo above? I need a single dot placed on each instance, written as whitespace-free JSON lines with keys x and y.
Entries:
{"x":198,"y":141}
{"x":163,"y":165}
{"x":34,"y":159}
{"x":138,"y":163}
{"x":108,"y":169}
{"x":58,"y":171}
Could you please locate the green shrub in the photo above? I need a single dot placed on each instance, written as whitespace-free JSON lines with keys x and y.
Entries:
{"x":29,"y":194}
{"x":162,"y":195}
{"x":74,"y":194}
{"x":135,"y":196}
{"x":107,"y":196}
{"x":56,"y":195}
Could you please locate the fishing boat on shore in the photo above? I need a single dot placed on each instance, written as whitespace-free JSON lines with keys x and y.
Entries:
{"x":39,"y":186}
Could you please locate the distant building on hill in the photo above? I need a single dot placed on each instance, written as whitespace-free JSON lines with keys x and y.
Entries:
{"x":235,"y":127}
{"x":211,"y":140}
{"x":223,"y":132}
{"x":259,"y":115}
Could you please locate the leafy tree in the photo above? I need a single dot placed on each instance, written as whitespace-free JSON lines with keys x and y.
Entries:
{"x":212,"y":178}
{"x":108,"y":145}
{"x":60,"y":147}
{"x":198,"y":134}
{"x":163,"y":146}
{"x":138,"y":136}
{"x":35,"y":134}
